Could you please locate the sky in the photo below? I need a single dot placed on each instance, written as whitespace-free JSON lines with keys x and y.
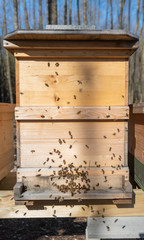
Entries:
{"x":92,"y":13}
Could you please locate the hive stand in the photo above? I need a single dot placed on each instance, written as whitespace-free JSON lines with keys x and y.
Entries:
{"x":72,"y":113}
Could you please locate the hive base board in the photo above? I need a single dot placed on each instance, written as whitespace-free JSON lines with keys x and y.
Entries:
{"x":33,"y":195}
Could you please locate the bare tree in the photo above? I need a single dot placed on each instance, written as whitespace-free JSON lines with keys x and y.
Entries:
{"x":6,"y":57}
{"x":65,"y":12}
{"x":111,"y":14}
{"x":98,"y":14}
{"x":52,"y":12}
{"x":106,"y":22}
{"x":34,"y":17}
{"x":128,"y":21}
{"x":85,"y":12}
{"x":26,"y":15}
{"x":121,"y":6}
{"x":15,"y":14}
{"x":70,"y":12}
{"x":78,"y":13}
{"x":40,"y":15}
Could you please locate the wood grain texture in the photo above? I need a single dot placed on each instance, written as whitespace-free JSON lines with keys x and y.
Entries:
{"x":66,"y":113}
{"x":94,"y":142}
{"x":6,"y":138}
{"x":71,"y":83}
{"x":8,"y":209}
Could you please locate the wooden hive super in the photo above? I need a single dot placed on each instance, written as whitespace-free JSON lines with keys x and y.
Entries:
{"x":72,"y":112}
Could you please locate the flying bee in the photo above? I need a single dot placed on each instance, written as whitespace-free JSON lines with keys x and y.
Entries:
{"x":47,"y":159}
{"x":105,"y":137}
{"x":60,"y":156}
{"x":46,"y":84}
{"x":64,"y":162}
{"x":112,"y":172}
{"x":79,"y":82}
{"x":56,"y":64}
{"x":83,"y":208}
{"x":24,"y":213}
{"x":50,"y":167}
{"x":54,"y":172}
{"x":68,"y":102}
{"x":109,"y":107}
{"x":64,"y":141}
{"x":39,"y":170}
{"x":42,"y":116}
{"x":50,"y":153}
{"x":107,"y":116}
{"x":70,"y":214}
{"x":110,"y":149}
{"x":52,"y":160}
{"x":118,"y":129}
{"x":32,"y":151}
{"x":38,"y":175}
{"x":122,"y":96}
{"x":113,"y":155}
{"x":70,"y":146}
{"x":93,"y":188}
{"x":103,"y":171}
{"x":74,"y":96}
{"x":54,"y":216}
{"x":50,"y":196}
{"x":75,"y":156}
{"x":111,"y":158}
{"x":87,"y":146}
{"x":56,"y":73}
{"x":98,"y":212}
{"x":115,"y":220}
{"x":36,"y":185}
{"x":95,"y":162}
{"x":78,"y":112}
{"x":58,"y":99}
{"x":54,"y":211}
{"x":58,"y":107}
{"x":16,"y":211}
{"x":97,"y":184}
{"x":110,"y":187}
{"x":80,"y":90}
{"x":123,"y":227}
{"x":48,"y":64}
{"x":114,"y":134}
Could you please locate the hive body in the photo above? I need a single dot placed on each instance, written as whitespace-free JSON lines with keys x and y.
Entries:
{"x":72,"y":112}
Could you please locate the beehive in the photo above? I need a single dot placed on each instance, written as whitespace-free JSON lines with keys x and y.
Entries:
{"x":72,"y":112}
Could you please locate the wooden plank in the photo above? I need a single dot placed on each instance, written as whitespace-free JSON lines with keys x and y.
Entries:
{"x":114,"y":227}
{"x":49,"y":113}
{"x":72,"y":83}
{"x":68,"y":34}
{"x":17,"y":82}
{"x":7,"y":108}
{"x":93,"y":142}
{"x":70,"y":44}
{"x":126,"y":81}
{"x":138,"y":108}
{"x":72,"y":53}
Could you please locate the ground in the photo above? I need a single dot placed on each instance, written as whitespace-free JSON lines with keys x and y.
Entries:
{"x":43,"y":229}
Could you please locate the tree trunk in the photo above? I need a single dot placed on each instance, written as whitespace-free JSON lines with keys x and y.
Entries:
{"x":6,"y":57}
{"x":34,"y":17}
{"x":52,"y":11}
{"x":26,"y":15}
{"x":15,"y":15}
{"x":128,"y":22}
{"x":98,"y":15}
{"x":107,"y":6}
{"x":40,"y":15}
{"x":78,"y":13}
{"x":65,"y":12}
{"x":70,"y":12}
{"x":111,"y":14}
{"x":121,"y":6}
{"x":85,"y":12}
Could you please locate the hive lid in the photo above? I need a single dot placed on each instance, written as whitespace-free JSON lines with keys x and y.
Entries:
{"x":57,"y":32}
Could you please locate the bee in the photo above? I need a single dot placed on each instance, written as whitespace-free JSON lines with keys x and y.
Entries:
{"x":56,"y":73}
{"x":60,"y":141}
{"x":16,"y":211}
{"x":48,"y":64}
{"x":111,"y":158}
{"x":75,"y":156}
{"x":97,"y":184}
{"x":83,"y":208}
{"x":110,"y":187}
{"x":113,"y":155}
{"x":24,"y":213}
{"x":21,"y":93}
{"x":79,"y":112}
{"x":54,"y":211}
{"x":114,"y":134}
{"x":12,"y":198}
{"x":108,"y":116}
{"x":115,"y":220}
{"x":58,"y":107}
{"x":50,"y":167}
{"x":32,"y":151}
{"x":70,"y":214}
{"x":50,"y":196}
{"x":70,"y":134}
{"x":36,"y":185}
{"x":39,"y":170}
{"x":122,"y":96}
{"x":93,"y":188}
{"x":103,"y":221}
{"x":105,"y":137}
{"x":52,"y":160}
{"x":112,"y":172}
{"x":44,"y":163}
{"x":46,"y":84}
{"x":24,"y":176}
{"x":110,"y":149}
{"x":108,"y":228}
{"x":95,"y":162}
{"x":60,"y":156}
{"x":64,"y":141}
{"x":87,"y":146}
{"x":47,"y":159}
{"x":60,"y":166}
{"x":123,"y":227}
{"x":50,"y":153}
{"x":70,"y":146}
{"x":54,"y":172}
{"x":127,"y":115}
{"x":80,"y":90}
{"x":68,"y":102}
{"x":58,"y":99}
{"x":102,"y":216}
{"x":118,"y":129}
{"x":74,"y":96}
{"x":64,"y":162}
{"x":98,"y":212}
{"x":21,"y":196}
{"x":79,"y":82}
{"x":57,"y":64}
{"x":85,"y":162}
{"x":103,"y":209}
{"x":103,"y":171}
{"x":54,"y":216}
{"x":109,"y":107}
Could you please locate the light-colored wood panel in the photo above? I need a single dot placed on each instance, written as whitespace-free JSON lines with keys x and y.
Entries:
{"x":49,"y":113}
{"x":17,"y":82}
{"x":72,"y":53}
{"x":8,"y":209}
{"x":41,"y":131}
{"x":72,"y":83}
{"x":126,"y":81}
{"x":6,"y":108}
{"x":100,"y":152}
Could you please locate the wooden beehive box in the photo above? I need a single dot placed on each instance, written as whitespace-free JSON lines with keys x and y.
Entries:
{"x":6,"y":138}
{"x":72,"y":112}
